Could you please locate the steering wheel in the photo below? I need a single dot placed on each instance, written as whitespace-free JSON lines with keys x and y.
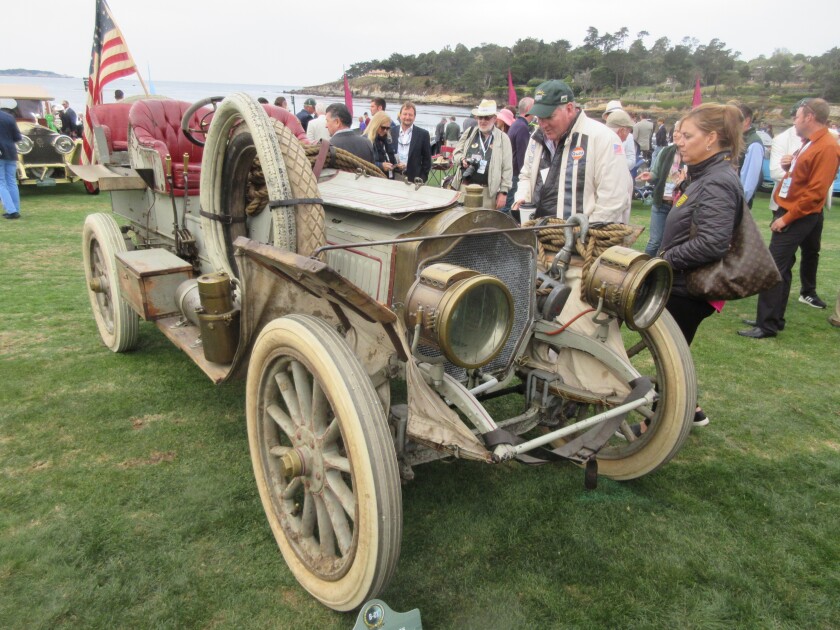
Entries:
{"x":203,"y":123}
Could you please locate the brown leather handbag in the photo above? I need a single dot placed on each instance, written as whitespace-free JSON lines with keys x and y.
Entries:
{"x":745,"y":270}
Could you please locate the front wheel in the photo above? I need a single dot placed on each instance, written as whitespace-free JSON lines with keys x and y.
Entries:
{"x":324,"y":461}
{"x":660,"y":353}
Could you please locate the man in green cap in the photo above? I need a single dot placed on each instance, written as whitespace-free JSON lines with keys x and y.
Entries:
{"x":576,"y":165}
{"x":573,"y":164}
{"x":307,"y":113}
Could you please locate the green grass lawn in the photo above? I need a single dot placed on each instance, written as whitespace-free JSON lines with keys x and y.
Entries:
{"x":127,"y":498}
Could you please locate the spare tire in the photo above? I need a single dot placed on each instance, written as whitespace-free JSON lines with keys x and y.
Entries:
{"x":228,"y":155}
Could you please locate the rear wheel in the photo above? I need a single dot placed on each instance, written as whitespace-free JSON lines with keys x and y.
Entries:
{"x":118,"y":324}
{"x":324,"y":461}
{"x":660,"y":353}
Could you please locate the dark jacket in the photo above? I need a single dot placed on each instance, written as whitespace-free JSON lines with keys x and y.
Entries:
{"x":519,"y":134}
{"x":659,"y":174}
{"x":9,"y":134}
{"x":452,"y":132}
{"x":419,"y":161}
{"x":440,"y":131}
{"x":304,"y":117}
{"x":351,"y":140}
{"x":662,"y":136}
{"x":712,"y":200}
{"x":383,"y":151}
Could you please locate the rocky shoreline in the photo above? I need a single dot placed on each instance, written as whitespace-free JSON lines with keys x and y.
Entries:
{"x":426,"y":97}
{"x":776,"y":116}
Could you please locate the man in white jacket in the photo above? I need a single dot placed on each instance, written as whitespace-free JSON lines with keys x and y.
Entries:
{"x":573,"y":164}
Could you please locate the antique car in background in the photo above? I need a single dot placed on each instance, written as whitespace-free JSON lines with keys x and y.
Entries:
{"x":44,"y":155}
{"x":322,"y":284}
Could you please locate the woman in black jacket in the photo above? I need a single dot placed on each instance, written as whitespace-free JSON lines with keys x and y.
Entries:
{"x":709,"y":202}
{"x":378,"y":131}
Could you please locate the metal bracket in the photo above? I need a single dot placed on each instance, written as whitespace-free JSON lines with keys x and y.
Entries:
{"x":548,"y":378}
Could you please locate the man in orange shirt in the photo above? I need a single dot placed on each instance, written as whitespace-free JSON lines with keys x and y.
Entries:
{"x":799,"y":218}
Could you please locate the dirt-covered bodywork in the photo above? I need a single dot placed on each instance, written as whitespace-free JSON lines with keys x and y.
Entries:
{"x":373,"y":321}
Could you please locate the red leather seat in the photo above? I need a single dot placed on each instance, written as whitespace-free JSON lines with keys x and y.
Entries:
{"x":113,"y":119}
{"x":156,"y":124}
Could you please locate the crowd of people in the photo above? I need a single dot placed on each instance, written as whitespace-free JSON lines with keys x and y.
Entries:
{"x":548,"y":153}
{"x":704,"y":171}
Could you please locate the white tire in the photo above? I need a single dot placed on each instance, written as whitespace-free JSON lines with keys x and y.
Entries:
{"x":118,"y":324}
{"x":338,"y":519}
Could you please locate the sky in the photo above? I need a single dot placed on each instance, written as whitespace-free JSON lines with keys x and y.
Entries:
{"x":307,"y":43}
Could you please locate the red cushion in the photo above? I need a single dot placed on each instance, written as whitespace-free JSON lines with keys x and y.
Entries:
{"x":194,"y":171}
{"x":157,"y":125}
{"x":113,"y":118}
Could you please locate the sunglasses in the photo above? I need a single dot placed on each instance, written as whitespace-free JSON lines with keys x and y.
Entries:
{"x":484,"y":117}
{"x":386,"y":127}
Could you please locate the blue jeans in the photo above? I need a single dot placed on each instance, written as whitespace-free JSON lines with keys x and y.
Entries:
{"x":9,"y":195}
{"x":658,"y":214}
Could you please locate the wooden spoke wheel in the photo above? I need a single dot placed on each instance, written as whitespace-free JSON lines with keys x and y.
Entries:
{"x":118,"y":324}
{"x":324,"y":461}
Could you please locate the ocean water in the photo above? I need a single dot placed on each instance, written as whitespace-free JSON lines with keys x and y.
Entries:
{"x":73,"y":90}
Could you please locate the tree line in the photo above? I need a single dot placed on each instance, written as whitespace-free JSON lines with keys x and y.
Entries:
{"x":607,"y":62}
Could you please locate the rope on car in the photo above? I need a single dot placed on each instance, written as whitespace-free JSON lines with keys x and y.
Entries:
{"x":600,"y":238}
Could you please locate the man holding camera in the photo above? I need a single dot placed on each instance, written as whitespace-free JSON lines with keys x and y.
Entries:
{"x":485,"y":158}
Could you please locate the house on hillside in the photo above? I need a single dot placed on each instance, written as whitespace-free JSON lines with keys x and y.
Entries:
{"x":386,"y":74}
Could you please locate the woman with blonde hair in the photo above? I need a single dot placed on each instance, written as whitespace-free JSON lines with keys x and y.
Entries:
{"x":708,"y":205}
{"x":378,"y":131}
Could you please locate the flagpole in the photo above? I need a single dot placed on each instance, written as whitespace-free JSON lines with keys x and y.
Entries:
{"x":140,"y":76}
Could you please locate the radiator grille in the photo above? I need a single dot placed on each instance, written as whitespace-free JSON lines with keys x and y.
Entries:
{"x":513,"y":264}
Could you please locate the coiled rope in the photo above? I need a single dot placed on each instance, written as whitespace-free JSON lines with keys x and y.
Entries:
{"x":599,"y":239}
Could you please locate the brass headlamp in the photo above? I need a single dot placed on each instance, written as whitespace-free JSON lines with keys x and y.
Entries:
{"x":634,"y":286}
{"x":465,"y":314}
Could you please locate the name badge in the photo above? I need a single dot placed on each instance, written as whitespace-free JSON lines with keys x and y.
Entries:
{"x":783,"y":190}
{"x":482,"y":167}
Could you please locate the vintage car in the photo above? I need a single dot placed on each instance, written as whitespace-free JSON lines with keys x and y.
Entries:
{"x":373,"y":321}
{"x":44,"y":155}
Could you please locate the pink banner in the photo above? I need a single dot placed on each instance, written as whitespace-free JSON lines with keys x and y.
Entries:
{"x":511,"y":91}
{"x":698,"y":97}
{"x":348,"y":96}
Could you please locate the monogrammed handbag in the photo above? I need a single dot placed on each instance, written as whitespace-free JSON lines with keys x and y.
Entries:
{"x":746,"y":269}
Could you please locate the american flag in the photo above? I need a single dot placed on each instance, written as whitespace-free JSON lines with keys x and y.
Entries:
{"x":109,"y":60}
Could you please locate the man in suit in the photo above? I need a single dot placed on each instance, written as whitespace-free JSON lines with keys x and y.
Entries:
{"x":414,"y":148}
{"x":643,"y":133}
{"x":439,"y":133}
{"x":338,"y":124}
{"x":307,"y":113}
{"x":69,"y":121}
